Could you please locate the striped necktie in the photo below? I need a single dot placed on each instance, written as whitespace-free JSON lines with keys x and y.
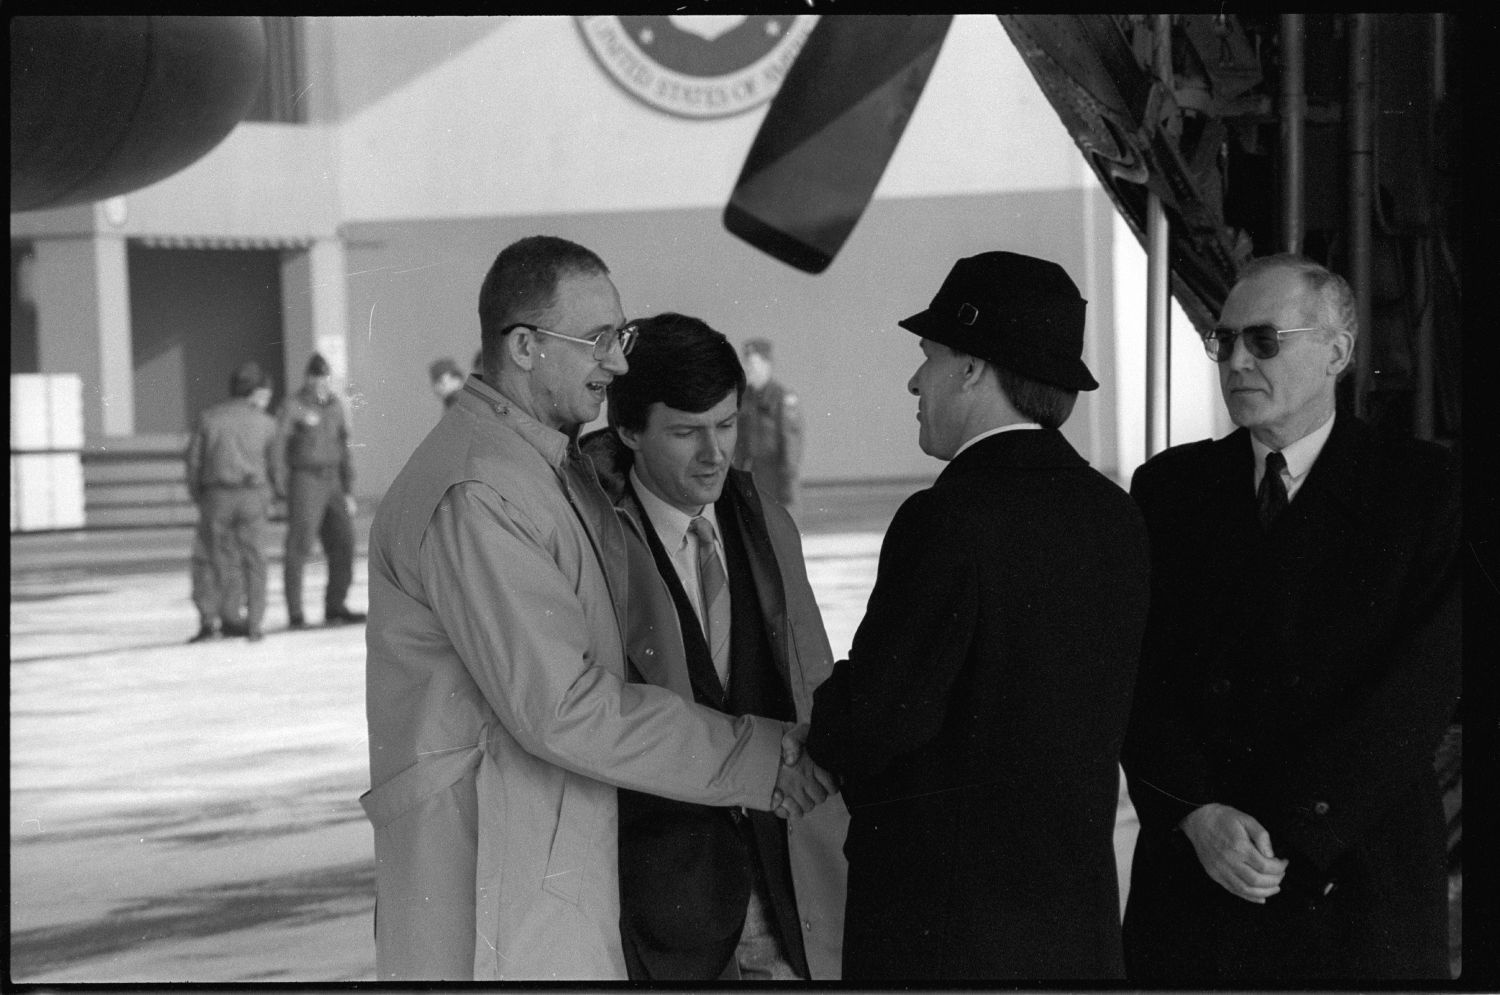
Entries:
{"x":713,"y":585}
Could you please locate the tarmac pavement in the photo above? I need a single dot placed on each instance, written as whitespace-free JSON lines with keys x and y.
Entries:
{"x":190,"y":812}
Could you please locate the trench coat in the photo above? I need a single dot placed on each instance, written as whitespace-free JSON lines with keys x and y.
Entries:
{"x":500,"y":721}
{"x":655,"y":646}
{"x":1304,"y":676}
{"x":978,"y":720}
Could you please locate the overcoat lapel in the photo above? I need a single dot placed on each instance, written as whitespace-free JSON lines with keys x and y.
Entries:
{"x":654,"y":628}
{"x":702,"y":677}
{"x":1331,"y":507}
{"x":739,"y":503}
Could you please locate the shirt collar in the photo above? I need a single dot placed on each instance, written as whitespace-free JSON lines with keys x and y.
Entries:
{"x":670,"y":523}
{"x":1018,"y":426}
{"x":1300,"y":455}
{"x":552,"y":444}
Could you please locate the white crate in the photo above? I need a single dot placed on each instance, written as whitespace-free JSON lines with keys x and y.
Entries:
{"x":46,"y":491}
{"x":65,"y":401}
{"x":67,"y":490}
{"x":46,"y":412}
{"x":30,"y":412}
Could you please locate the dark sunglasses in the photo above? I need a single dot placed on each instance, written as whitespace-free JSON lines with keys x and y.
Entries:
{"x":1261,"y":341}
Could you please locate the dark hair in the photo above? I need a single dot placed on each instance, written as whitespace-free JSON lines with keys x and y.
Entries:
{"x":679,"y":361}
{"x":522,"y":283}
{"x":317,"y":366}
{"x":1043,"y":403}
{"x":247,"y":380}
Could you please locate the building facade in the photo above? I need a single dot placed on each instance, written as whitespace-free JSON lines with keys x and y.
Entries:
{"x":390,"y":158}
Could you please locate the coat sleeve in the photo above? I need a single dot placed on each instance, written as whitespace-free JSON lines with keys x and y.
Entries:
{"x":281,"y":464}
{"x":193,"y":458}
{"x":346,"y":452}
{"x":275,"y":478}
{"x":791,"y":435}
{"x":1340,"y":784}
{"x":891,"y":696}
{"x":1166,"y":769}
{"x":524,"y":636}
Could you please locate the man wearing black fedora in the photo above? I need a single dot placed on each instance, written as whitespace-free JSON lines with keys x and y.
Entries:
{"x":977,"y":723}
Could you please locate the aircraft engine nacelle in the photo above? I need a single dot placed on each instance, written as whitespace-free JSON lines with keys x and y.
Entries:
{"x":102,"y":105}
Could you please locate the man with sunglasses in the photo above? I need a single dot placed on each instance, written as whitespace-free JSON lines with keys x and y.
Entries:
{"x":1300,"y":667}
{"x":500,"y":720}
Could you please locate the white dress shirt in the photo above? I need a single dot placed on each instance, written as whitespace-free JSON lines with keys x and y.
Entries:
{"x":671,"y":527}
{"x":1300,"y":457}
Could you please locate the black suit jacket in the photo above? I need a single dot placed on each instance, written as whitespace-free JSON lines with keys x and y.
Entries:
{"x":978,"y":720}
{"x":1304,"y":676}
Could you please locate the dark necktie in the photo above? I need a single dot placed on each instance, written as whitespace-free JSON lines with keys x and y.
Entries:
{"x":714,"y":586}
{"x":1271,"y":498}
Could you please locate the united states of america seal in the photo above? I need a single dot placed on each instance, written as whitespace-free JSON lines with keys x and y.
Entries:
{"x":697,"y":65}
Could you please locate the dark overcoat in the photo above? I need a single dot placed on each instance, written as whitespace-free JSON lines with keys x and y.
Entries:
{"x":977,"y":723}
{"x":1304,"y":676}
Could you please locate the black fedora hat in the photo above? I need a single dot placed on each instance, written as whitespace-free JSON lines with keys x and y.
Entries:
{"x":1019,"y":312}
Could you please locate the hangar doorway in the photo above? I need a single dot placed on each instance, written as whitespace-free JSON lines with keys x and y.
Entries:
{"x":195,"y":315}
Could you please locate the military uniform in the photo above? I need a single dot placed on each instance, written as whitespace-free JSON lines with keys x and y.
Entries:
{"x":230,"y":461}
{"x":770,"y":441}
{"x":314,"y":446}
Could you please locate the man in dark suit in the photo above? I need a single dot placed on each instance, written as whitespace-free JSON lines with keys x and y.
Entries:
{"x":1300,"y":667}
{"x":977,"y":723}
{"x":721,"y":612}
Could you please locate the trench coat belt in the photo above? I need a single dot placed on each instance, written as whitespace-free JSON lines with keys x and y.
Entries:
{"x":437,"y":772}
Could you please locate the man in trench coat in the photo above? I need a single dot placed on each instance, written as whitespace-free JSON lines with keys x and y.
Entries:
{"x":500,"y":720}
{"x":1300,"y":668}
{"x":977,"y":722}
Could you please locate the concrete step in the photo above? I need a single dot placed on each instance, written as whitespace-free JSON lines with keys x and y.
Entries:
{"x":132,"y":471}
{"x":139,"y":515}
{"x":136,"y":481}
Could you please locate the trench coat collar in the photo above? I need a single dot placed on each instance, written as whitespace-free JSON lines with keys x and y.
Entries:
{"x":479,"y":398}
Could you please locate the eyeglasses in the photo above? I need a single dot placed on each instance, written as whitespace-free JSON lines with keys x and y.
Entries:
{"x":1262,"y":341}
{"x":625,"y":335}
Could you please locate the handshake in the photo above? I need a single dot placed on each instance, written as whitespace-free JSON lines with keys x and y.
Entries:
{"x":801,"y":785}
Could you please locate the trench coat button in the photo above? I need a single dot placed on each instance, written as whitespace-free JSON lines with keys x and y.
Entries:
{"x":1291,"y":680}
{"x":1320,"y":808}
{"x":1220,"y":686}
{"x":807,"y":926}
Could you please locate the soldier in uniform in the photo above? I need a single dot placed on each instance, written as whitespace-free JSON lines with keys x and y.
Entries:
{"x":447,"y":379}
{"x":230,"y":477}
{"x":313,"y":444}
{"x":770,"y":439}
